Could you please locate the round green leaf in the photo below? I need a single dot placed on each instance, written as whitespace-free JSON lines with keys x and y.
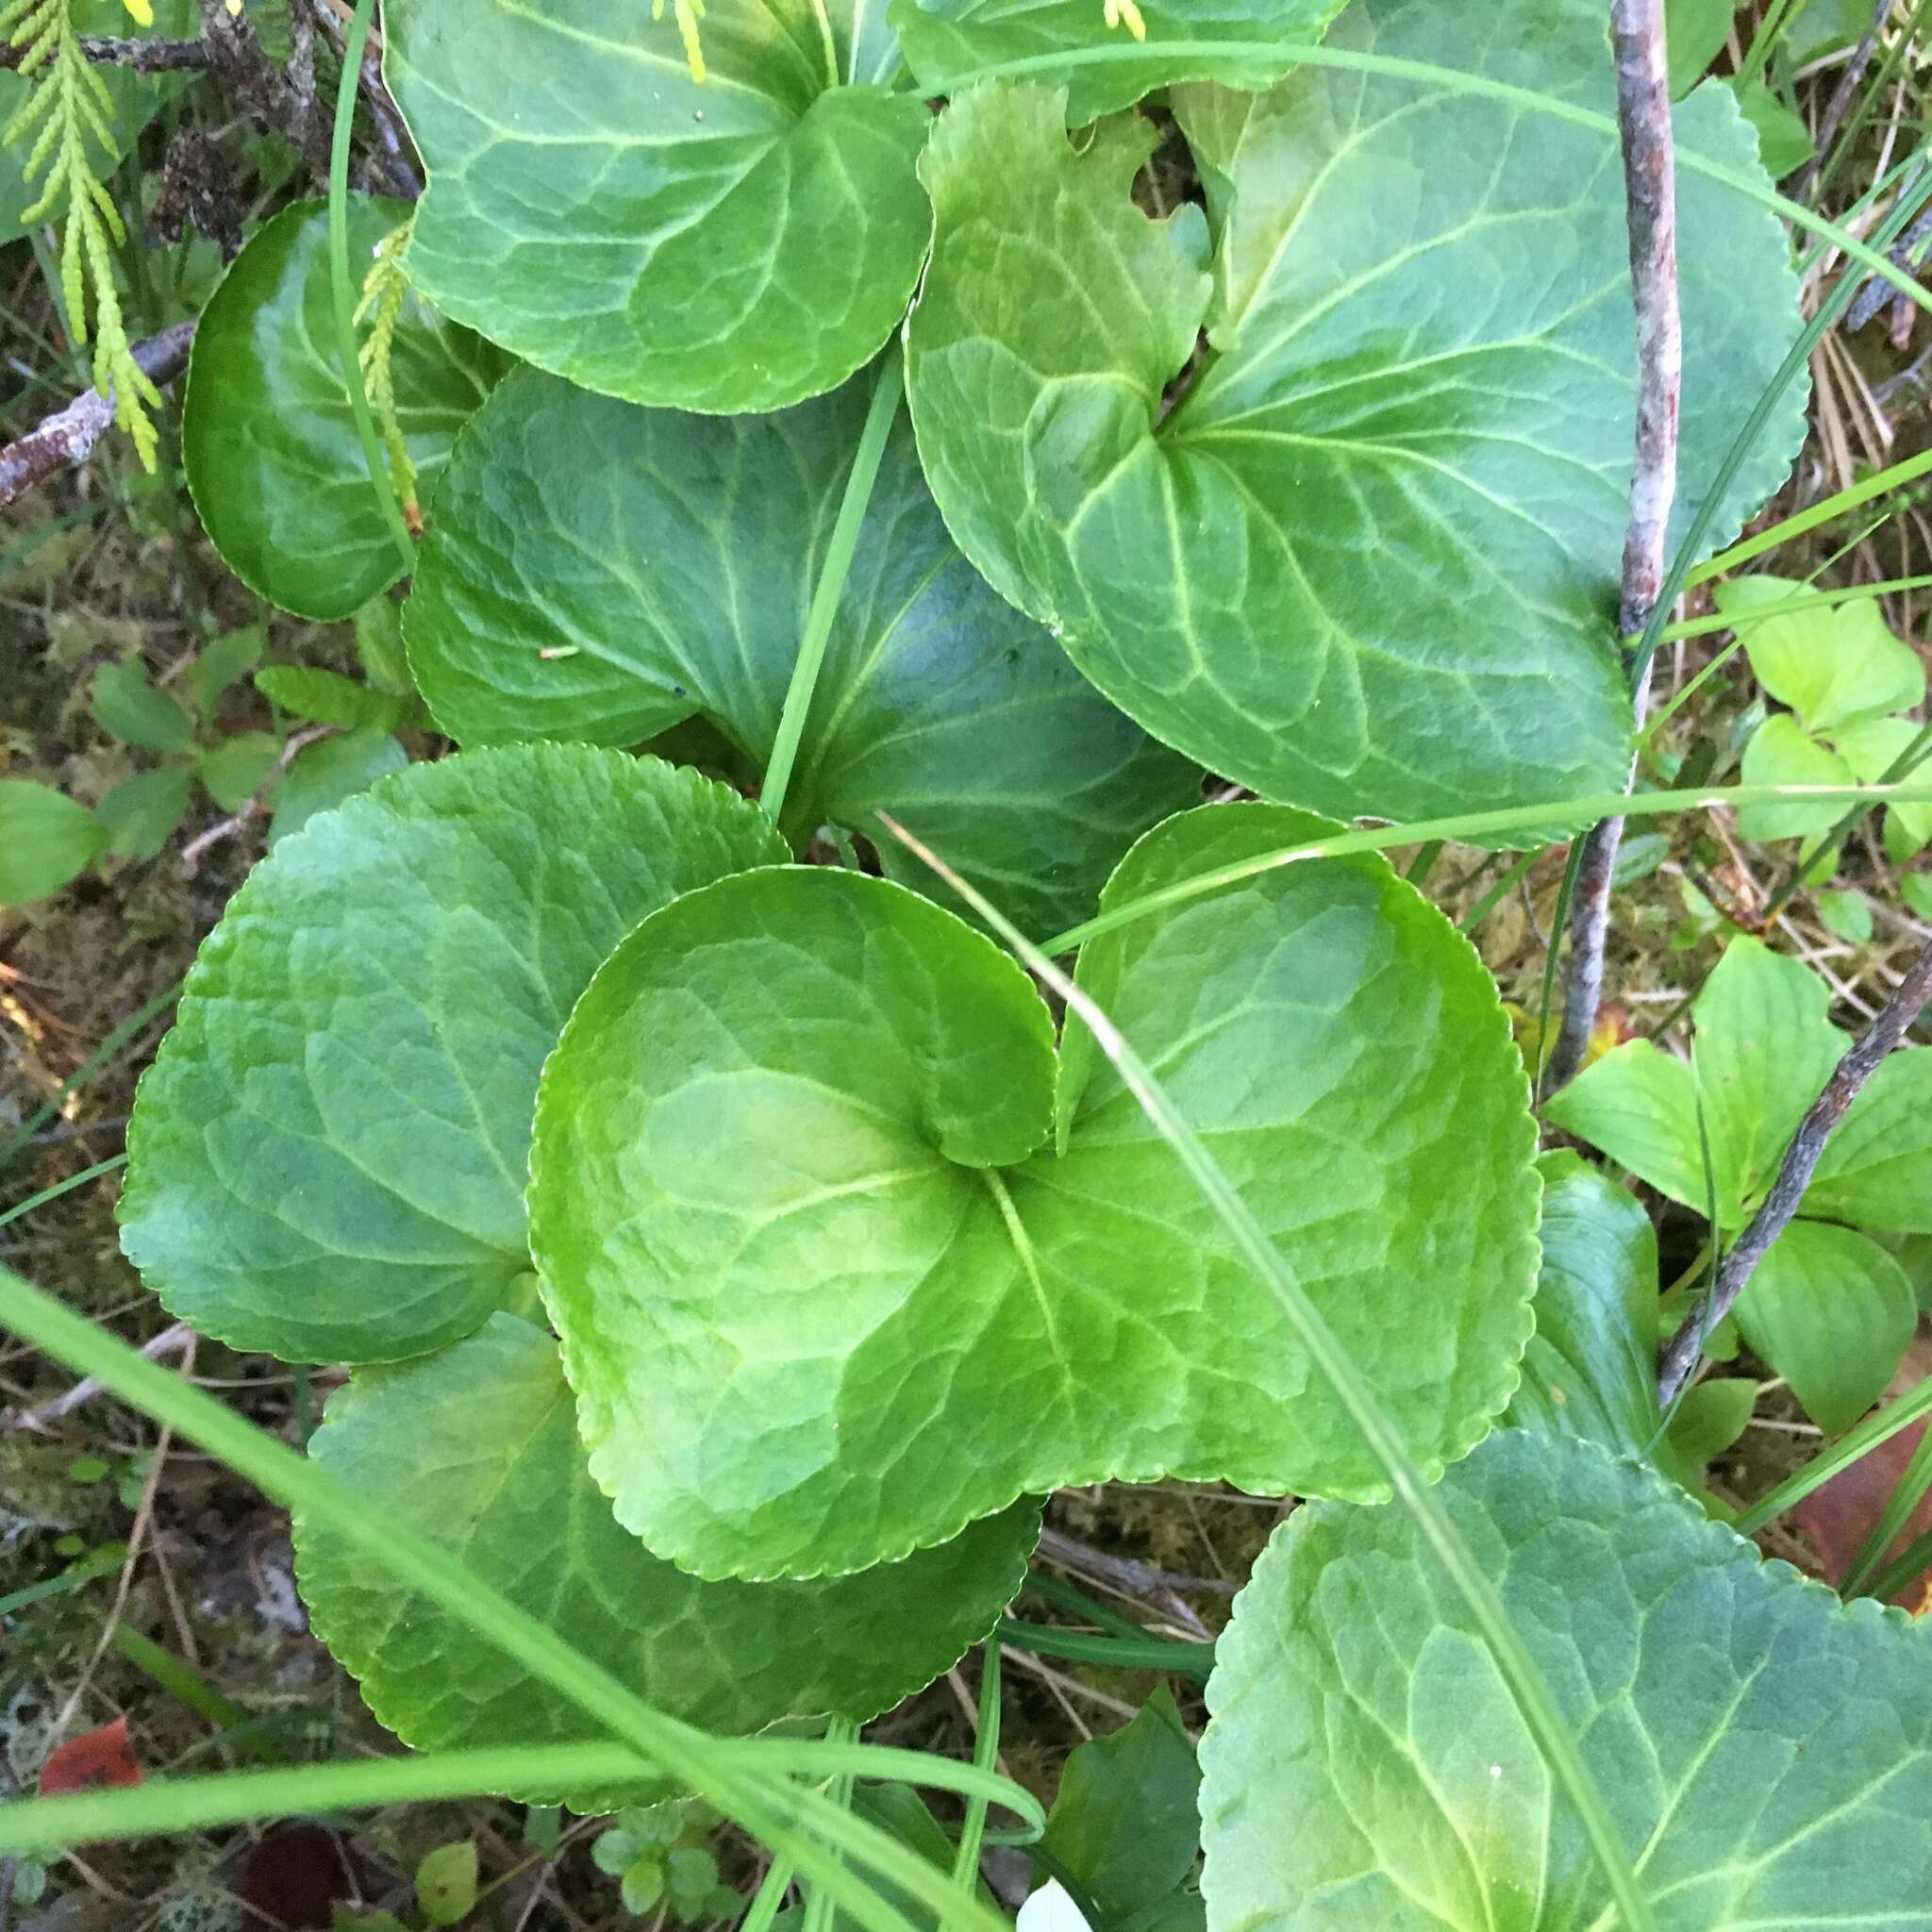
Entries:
{"x":1369,"y":551}
{"x":327,"y":1160}
{"x":1766,"y":1753}
{"x":268,"y":439}
{"x":329,"y":771}
{"x":46,"y":838}
{"x":827,"y":1291}
{"x":477,"y":1450}
{"x":1834,"y":664}
{"x":141,"y":812}
{"x":734,"y":245}
{"x":602,"y":572}
{"x":128,"y":705}
{"x":944,"y":39}
{"x":1877,"y":1171}
{"x":1832,"y":1312}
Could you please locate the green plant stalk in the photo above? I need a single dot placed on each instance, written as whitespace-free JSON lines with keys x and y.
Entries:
{"x":1869,"y":94}
{"x":1534,"y":1702}
{"x":821,"y":1908}
{"x":1064,"y":1596}
{"x":736,"y":1778}
{"x":184,"y":1685}
{"x":986,"y":1752}
{"x":1886,"y":481}
{"x":1455,"y":81}
{"x":831,"y":583}
{"x":1474,"y":827}
{"x":343,"y":290}
{"x":1903,"y":1499}
{"x":1908,"y":761}
{"x":59,"y":1188}
{"x":765,"y":1907}
{"x":1915,"y":1402}
{"x":1896,"y":1575}
{"x":1194,"y":1660}
{"x":1507,"y":884}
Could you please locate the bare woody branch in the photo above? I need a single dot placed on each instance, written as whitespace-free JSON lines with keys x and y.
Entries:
{"x":1794,"y":1175}
{"x":142,"y":55}
{"x":1650,"y":189}
{"x":67,"y":438}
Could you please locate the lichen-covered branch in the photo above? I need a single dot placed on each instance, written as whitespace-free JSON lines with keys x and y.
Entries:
{"x":1794,"y":1174}
{"x":1643,"y":117}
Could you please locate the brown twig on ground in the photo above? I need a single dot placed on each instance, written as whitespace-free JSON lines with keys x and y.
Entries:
{"x":138,"y":56}
{"x":1649,"y":188}
{"x":67,"y":438}
{"x":252,"y":807}
{"x":1842,"y":97}
{"x":169,"y":1341}
{"x":1794,"y":1175}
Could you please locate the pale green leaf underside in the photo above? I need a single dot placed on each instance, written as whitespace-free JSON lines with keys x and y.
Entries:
{"x":738,"y":244}
{"x":1373,"y":551}
{"x":1590,"y":1369}
{"x":944,"y":39}
{"x":273,"y":460}
{"x":672,"y":561}
{"x":476,"y":1449}
{"x":826,"y":1293}
{"x":327,"y":1158}
{"x":1765,"y":1753}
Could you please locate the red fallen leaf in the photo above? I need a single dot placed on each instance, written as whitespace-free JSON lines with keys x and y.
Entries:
{"x":102,"y":1760}
{"x":1839,"y":1516}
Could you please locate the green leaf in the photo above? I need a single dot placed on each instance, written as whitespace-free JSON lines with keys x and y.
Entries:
{"x":1915,"y":888}
{"x":141,"y":813}
{"x":223,"y":662}
{"x":1833,"y":664}
{"x":732,"y":245}
{"x":328,"y":772}
{"x":1848,"y":914}
{"x":1590,"y":1367}
{"x":943,"y":39}
{"x":1784,"y":142}
{"x":235,"y":770}
{"x":666,"y":562}
{"x":1764,"y":1048}
{"x":268,"y":439}
{"x":642,"y":1886}
{"x":1871,"y":749}
{"x":1877,"y":1170}
{"x":1696,"y":31}
{"x":476,"y":1449}
{"x":45,"y":839}
{"x":1780,"y":753}
{"x":134,"y":100}
{"x":446,"y":1883}
{"x":326,"y":697}
{"x":1760,"y":1743}
{"x":127,"y":704}
{"x":1125,"y":1823}
{"x":1709,"y":1421}
{"x":826,"y":1291}
{"x":1373,"y":547}
{"x":326,"y":1160}
{"x":1831,"y":1312}
{"x":379,"y":646}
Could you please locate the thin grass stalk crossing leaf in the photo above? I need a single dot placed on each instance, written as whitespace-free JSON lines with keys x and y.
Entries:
{"x":1512,"y":1658}
{"x":790,"y":1819}
{"x":831,"y":585}
{"x":1848,"y":1449}
{"x":344,"y":287}
{"x":986,"y":1752}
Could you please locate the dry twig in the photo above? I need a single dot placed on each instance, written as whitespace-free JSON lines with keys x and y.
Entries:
{"x":1795,"y":1176}
{"x":1643,"y":116}
{"x":67,"y":438}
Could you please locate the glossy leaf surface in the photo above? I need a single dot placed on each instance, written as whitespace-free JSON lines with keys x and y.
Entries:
{"x":475,"y":1449}
{"x":1370,"y":545}
{"x":1766,"y":1753}
{"x":273,"y":461}
{"x":943,"y":39}
{"x":734,"y":245}
{"x":827,"y":1292}
{"x":326,"y":1160}
{"x":604,"y":573}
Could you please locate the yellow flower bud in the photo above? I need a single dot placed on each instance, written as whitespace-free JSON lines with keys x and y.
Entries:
{"x":142,"y":10}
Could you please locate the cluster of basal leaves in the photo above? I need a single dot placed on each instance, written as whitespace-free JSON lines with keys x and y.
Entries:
{"x":730,"y":1252}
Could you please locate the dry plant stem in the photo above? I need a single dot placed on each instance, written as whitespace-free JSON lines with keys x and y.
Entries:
{"x":67,"y":438}
{"x":1795,"y":1176}
{"x":1650,"y":190}
{"x":1842,"y":97}
{"x":169,"y":1341}
{"x":141,"y":56}
{"x":251,"y":807}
